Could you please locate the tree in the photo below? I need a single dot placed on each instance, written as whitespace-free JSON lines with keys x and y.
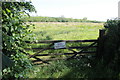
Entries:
{"x":14,"y":31}
{"x":85,"y":18}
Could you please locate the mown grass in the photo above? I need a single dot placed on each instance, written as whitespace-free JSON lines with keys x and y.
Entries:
{"x":78,"y":68}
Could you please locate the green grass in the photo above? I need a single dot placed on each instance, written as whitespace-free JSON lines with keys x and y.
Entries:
{"x":78,"y":68}
{"x":67,"y":31}
{"x":60,"y":69}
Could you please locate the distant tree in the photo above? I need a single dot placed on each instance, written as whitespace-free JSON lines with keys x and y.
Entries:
{"x":85,"y":18}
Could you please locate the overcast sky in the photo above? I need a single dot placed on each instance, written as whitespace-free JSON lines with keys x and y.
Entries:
{"x":92,"y":9}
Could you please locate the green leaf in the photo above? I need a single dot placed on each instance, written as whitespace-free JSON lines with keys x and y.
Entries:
{"x":8,"y":10}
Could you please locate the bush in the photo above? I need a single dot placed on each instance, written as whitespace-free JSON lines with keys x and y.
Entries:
{"x":110,"y":56}
{"x":14,"y":30}
{"x":112,"y":44}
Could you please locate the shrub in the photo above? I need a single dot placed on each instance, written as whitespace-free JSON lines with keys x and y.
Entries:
{"x":14,"y":30}
{"x":110,"y":56}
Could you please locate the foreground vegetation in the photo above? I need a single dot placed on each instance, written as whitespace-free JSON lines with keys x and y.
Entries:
{"x":14,"y":30}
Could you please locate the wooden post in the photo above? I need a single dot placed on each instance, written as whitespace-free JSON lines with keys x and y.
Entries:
{"x":101,"y":39}
{"x":101,"y":33}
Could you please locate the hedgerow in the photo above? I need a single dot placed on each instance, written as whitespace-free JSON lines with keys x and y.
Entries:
{"x":109,"y":58}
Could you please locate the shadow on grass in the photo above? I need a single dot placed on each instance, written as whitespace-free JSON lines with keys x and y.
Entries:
{"x":78,"y":68}
{"x":83,"y":68}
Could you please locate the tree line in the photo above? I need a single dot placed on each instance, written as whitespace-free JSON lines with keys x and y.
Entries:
{"x":56,"y":19}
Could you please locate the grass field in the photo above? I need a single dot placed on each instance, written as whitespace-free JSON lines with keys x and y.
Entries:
{"x":78,"y":68}
{"x":66,"y":31}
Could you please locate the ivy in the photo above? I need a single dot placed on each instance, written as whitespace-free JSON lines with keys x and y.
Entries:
{"x":14,"y":32}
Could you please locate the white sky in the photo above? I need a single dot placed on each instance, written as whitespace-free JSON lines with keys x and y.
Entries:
{"x":92,"y":9}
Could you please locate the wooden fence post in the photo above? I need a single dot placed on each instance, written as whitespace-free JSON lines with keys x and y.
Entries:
{"x":101,"y":33}
{"x":101,"y":40}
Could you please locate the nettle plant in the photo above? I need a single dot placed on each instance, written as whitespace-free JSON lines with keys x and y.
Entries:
{"x":14,"y":32}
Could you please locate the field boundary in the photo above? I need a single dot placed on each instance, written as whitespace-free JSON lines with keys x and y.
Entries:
{"x":95,"y":44}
